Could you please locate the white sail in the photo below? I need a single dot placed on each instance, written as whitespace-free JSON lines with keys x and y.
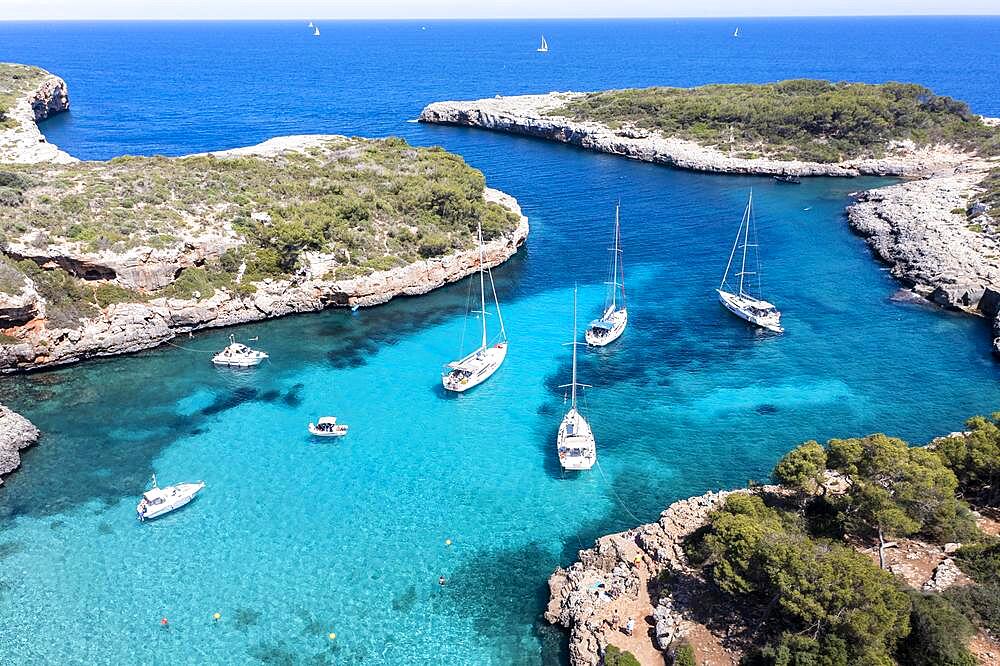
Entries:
{"x":477,"y":367}
{"x":736,"y":33}
{"x":544,"y":46}
{"x":741,"y":301}
{"x":311,"y":25}
{"x":316,"y":32}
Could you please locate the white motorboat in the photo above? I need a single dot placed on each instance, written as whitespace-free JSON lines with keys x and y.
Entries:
{"x":157,"y":501}
{"x":612,"y":323}
{"x":476,"y":367}
{"x":739,"y":301}
{"x":327,"y":426}
{"x":575,"y":441}
{"x":544,"y":46}
{"x":238,"y":355}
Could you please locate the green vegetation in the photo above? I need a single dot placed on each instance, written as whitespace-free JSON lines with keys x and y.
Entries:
{"x":824,"y":602}
{"x":615,"y":656}
{"x":15,"y":80}
{"x":684,"y":655}
{"x":797,"y":119}
{"x":371,"y":203}
{"x":67,"y":299}
{"x":990,"y":190}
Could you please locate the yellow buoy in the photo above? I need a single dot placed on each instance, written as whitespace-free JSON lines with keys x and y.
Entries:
{"x":217,"y":616}
{"x":447,"y":542}
{"x":332,"y":635}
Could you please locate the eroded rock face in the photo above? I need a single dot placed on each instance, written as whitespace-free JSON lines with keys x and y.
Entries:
{"x":918,"y":229}
{"x":16,"y":433}
{"x":20,"y":307}
{"x":130,"y":327}
{"x":530,"y":115}
{"x":24,"y":143}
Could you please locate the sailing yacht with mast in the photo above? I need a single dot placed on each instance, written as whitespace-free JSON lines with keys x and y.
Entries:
{"x":739,"y":301}
{"x":612,"y":323}
{"x":316,"y":31}
{"x":544,"y":46}
{"x":477,"y":367}
{"x":575,"y":442}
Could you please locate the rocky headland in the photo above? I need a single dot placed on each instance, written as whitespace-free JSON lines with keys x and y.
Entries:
{"x":103,"y":258}
{"x":16,"y":433}
{"x":937,"y":231}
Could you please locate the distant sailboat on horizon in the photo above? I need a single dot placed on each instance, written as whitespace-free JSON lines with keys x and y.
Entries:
{"x":316,"y":31}
{"x":544,"y":46}
{"x":736,"y":33}
{"x":310,"y":25}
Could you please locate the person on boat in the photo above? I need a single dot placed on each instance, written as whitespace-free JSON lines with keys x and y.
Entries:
{"x":441,"y":581}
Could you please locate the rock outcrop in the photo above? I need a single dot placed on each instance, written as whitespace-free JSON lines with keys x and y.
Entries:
{"x":610,"y":583}
{"x":933,"y":243}
{"x":16,"y":433}
{"x":531,"y":115}
{"x":130,"y":327}
{"x":23,"y":143}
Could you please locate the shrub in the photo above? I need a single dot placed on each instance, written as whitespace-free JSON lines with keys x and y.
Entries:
{"x":938,"y":634}
{"x":802,"y":467}
{"x":980,"y":603}
{"x":615,"y":656}
{"x":975,"y":459}
{"x":684,"y":655}
{"x":433,"y":245}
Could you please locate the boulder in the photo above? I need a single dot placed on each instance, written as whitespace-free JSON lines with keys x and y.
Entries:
{"x":16,"y":433}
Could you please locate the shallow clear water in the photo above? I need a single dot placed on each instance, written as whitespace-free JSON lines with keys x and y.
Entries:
{"x":293,"y":538}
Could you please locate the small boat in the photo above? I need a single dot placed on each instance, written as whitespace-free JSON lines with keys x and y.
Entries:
{"x":327,"y":426}
{"x":739,"y":301}
{"x":310,"y":25}
{"x":789,"y":178}
{"x":575,"y":441}
{"x":736,"y":33}
{"x":316,"y":31}
{"x":544,"y":46}
{"x":612,"y":323}
{"x":157,"y":501}
{"x":238,"y":355}
{"x":477,"y":367}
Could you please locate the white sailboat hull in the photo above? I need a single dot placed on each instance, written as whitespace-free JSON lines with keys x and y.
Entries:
{"x":599,"y":337}
{"x":752,"y":310}
{"x":575,"y":442}
{"x":475,"y":368}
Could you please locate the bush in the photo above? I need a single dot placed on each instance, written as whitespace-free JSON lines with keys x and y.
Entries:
{"x":802,"y":467}
{"x":684,"y":655}
{"x":975,"y":459}
{"x":980,"y":603}
{"x":615,"y":656}
{"x":938,"y":634}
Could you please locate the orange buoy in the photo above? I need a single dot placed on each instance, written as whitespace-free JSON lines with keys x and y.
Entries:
{"x":163,"y":622}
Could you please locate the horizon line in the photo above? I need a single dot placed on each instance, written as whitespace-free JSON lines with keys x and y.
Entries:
{"x":487,"y":18}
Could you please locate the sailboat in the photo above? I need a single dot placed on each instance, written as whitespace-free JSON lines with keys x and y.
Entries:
{"x":736,"y":33}
{"x":612,"y":323}
{"x":575,"y":442}
{"x":544,"y":46}
{"x":740,"y":302}
{"x":310,"y":25}
{"x":477,"y":367}
{"x":316,"y":31}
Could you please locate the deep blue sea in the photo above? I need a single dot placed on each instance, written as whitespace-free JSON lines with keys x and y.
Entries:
{"x":294,"y":539}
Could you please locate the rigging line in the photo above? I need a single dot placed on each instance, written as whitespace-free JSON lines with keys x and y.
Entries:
{"x":496,"y":301}
{"x":197,"y":351}
{"x":617,"y":496}
{"x":756,"y":254}
{"x":732,"y":254}
{"x":465,"y":321}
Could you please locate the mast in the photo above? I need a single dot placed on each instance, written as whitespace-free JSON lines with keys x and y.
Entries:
{"x":482,"y":285}
{"x":614,"y":263}
{"x":574,"y":343}
{"x":746,"y":231}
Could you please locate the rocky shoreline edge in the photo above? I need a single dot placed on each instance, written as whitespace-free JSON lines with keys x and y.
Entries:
{"x":16,"y":433}
{"x":914,"y":227}
{"x":122,"y":328}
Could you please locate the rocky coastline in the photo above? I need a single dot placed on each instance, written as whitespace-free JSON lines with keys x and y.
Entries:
{"x":16,"y":433}
{"x":30,"y":339}
{"x":530,"y":115}
{"x":951,"y":259}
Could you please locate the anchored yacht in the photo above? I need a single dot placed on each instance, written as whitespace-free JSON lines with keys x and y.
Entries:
{"x":157,"y":501}
{"x":612,"y":323}
{"x":238,"y":355}
{"x":575,"y":441}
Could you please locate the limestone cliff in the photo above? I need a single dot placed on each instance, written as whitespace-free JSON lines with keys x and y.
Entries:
{"x":36,"y":95}
{"x":16,"y":433}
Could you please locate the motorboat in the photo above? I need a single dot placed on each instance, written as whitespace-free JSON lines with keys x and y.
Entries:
{"x":327,"y":426}
{"x":158,"y":501}
{"x":238,"y":355}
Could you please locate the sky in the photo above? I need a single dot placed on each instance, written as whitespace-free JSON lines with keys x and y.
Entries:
{"x":437,"y":9}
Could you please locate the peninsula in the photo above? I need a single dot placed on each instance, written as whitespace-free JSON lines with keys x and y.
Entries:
{"x":102,"y":258}
{"x":938,"y":234}
{"x":866,"y":554}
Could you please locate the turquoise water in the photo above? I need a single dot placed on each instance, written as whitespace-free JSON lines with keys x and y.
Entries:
{"x":293,"y":539}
